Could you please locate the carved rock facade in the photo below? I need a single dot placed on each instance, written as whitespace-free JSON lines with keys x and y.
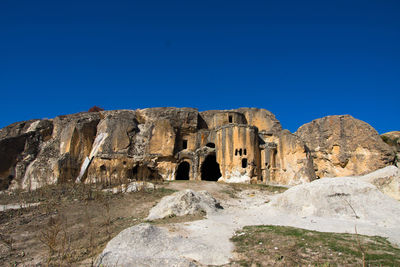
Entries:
{"x":241,"y":145}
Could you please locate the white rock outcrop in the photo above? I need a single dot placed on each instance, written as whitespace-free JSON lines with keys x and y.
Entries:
{"x":145,"y":245}
{"x":345,"y":197}
{"x":184,"y":203}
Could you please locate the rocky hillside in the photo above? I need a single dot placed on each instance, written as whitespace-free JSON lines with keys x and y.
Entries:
{"x":242,"y":145}
{"x":344,"y":146}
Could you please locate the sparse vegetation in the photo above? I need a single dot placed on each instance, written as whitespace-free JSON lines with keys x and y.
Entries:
{"x":75,"y":221}
{"x":95,"y":109}
{"x":269,"y":245}
{"x":72,"y":224}
{"x":260,"y":187}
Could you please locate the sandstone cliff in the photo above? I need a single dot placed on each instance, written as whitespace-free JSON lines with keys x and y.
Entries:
{"x":345,"y":146}
{"x":241,"y":145}
{"x":245,"y":144}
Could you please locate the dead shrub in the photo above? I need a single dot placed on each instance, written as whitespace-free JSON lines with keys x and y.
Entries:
{"x":57,"y":240}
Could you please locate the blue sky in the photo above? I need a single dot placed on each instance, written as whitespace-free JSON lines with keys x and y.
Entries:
{"x":301,"y":60}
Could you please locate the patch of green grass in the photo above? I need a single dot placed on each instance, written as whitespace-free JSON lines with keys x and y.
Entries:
{"x":260,"y":187}
{"x":270,"y":245}
{"x":166,"y":191}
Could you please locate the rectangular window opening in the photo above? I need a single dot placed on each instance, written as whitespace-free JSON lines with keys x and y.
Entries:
{"x":184,"y":144}
{"x":244,"y":163}
{"x":230,"y":119}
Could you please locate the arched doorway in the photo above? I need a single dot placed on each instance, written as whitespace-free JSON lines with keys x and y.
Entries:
{"x":182,"y":173}
{"x":210,"y":169}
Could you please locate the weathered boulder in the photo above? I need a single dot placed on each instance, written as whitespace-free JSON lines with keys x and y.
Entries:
{"x":347,"y":197}
{"x":344,"y":146}
{"x":146,"y":245}
{"x":184,"y":203}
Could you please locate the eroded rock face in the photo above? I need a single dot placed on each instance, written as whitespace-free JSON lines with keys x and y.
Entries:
{"x":393,"y":140}
{"x":263,"y":119}
{"x":241,"y":145}
{"x":293,"y":159}
{"x":387,"y":180}
{"x":19,"y":146}
{"x":344,"y":146}
{"x":60,"y":155}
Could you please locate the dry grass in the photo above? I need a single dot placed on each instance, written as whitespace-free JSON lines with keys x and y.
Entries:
{"x":74,"y":223}
{"x":71,"y":226}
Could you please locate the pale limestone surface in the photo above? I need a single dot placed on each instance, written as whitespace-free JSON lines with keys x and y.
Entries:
{"x":344,"y":197}
{"x":145,"y":245}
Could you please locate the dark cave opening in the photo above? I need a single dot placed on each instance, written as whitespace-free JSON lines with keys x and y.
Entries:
{"x":210,"y":169}
{"x":182,"y":173}
{"x":210,"y":145}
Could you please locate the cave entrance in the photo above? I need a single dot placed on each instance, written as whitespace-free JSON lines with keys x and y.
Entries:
{"x":182,"y":173}
{"x":210,"y":169}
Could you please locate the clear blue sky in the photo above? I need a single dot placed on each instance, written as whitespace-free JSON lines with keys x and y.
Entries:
{"x":301,"y":60}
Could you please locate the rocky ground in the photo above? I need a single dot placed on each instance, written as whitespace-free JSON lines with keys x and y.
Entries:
{"x":73,"y":225}
{"x":70,"y":227}
{"x":341,"y":205}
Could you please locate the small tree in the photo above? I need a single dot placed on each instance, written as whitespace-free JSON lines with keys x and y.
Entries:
{"x":95,"y":109}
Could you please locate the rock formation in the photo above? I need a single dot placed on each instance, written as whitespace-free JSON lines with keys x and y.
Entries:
{"x":393,"y":140}
{"x":344,"y":198}
{"x":241,"y":145}
{"x":149,"y":144}
{"x":387,"y":180}
{"x":147,"y":245}
{"x":184,"y":203}
{"x":344,"y":146}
